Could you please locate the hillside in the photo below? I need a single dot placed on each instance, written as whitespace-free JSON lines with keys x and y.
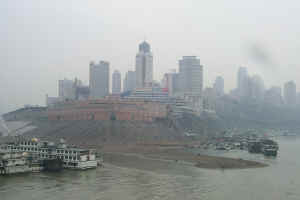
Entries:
{"x":96,"y":132}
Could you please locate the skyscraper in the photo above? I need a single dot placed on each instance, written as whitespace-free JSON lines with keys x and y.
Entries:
{"x":191,"y":81}
{"x":191,"y":75}
{"x":129,"y":83}
{"x":116,"y":82}
{"x":290,"y":94}
{"x":219,"y":86}
{"x":99,"y":79}
{"x":144,"y":66}
{"x":243,"y":82}
{"x":256,"y":87}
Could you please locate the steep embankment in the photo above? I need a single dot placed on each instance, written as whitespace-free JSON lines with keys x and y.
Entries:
{"x":125,"y":142}
{"x":92,"y":132}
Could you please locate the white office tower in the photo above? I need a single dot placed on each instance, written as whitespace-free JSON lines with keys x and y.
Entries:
{"x":219,"y":86}
{"x":129,"y":83}
{"x":243,"y":82}
{"x":116,"y":82}
{"x":99,"y":79}
{"x":290,"y":94}
{"x":144,"y":66}
{"x":191,"y":81}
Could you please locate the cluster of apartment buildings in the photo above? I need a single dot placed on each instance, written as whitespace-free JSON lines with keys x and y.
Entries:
{"x":250,"y":88}
{"x":138,"y":86}
{"x":184,"y":85}
{"x":253,"y":87}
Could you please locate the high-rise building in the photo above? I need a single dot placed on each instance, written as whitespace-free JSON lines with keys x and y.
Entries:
{"x":273,"y":96}
{"x":219,"y":86}
{"x":209,"y":99}
{"x":129,"y":83}
{"x":99,"y":79}
{"x":191,"y":81}
{"x":170,"y":82}
{"x":144,"y":66}
{"x":243,"y":82}
{"x":66,"y":89}
{"x":256,"y":87}
{"x":298,"y":98}
{"x":82,"y":92}
{"x":116,"y":82}
{"x":191,"y":75}
{"x":290,"y":94}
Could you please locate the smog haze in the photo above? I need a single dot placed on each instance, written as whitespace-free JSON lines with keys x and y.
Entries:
{"x":44,"y":41}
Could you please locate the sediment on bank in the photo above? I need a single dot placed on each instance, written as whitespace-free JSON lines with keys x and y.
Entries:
{"x":152,"y":158}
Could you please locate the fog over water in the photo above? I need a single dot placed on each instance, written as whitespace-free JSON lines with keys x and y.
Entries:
{"x":43,"y":41}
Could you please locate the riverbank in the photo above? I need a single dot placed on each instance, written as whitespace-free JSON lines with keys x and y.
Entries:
{"x":142,"y":157}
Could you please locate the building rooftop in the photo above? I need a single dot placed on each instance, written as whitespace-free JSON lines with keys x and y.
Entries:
{"x":144,"y":47}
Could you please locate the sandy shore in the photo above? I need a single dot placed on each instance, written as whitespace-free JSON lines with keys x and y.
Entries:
{"x":153,"y":156}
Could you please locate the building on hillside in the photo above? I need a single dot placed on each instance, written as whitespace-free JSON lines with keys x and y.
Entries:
{"x":116,"y":82}
{"x":50,"y":101}
{"x":234,"y":93}
{"x":109,"y":109}
{"x":99,"y":79}
{"x":144,"y":66}
{"x":243,"y":82}
{"x":273,"y":96}
{"x":298,"y":98}
{"x":209,"y":99}
{"x":256,"y":87}
{"x":290,"y":96}
{"x":191,"y":75}
{"x":82,"y":92}
{"x":155,"y":94}
{"x":66,"y":89}
{"x":191,"y":81}
{"x":219,"y":86}
{"x":170,"y":83}
{"x":129,"y":83}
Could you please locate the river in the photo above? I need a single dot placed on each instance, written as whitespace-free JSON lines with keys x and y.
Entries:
{"x":280,"y":180}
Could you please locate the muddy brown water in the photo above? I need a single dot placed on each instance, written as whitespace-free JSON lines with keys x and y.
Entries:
{"x":167,"y":180}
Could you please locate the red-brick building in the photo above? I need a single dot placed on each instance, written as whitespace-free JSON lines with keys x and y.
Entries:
{"x":108,"y":109}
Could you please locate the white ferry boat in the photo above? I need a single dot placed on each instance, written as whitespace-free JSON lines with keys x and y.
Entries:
{"x":71,"y":157}
{"x":12,"y":163}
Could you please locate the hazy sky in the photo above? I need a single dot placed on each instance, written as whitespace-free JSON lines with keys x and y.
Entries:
{"x":43,"y":41}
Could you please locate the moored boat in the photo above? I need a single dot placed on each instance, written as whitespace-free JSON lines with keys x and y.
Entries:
{"x":265,"y":146}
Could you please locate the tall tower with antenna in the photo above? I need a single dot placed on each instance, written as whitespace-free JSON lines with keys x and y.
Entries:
{"x":144,"y":66}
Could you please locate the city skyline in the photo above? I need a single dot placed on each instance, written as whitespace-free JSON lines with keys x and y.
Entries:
{"x":112,"y":87}
{"x":38,"y":49}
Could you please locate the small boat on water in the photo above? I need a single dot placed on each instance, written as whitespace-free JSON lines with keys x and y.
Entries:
{"x":265,"y":146}
{"x":269,"y":147}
